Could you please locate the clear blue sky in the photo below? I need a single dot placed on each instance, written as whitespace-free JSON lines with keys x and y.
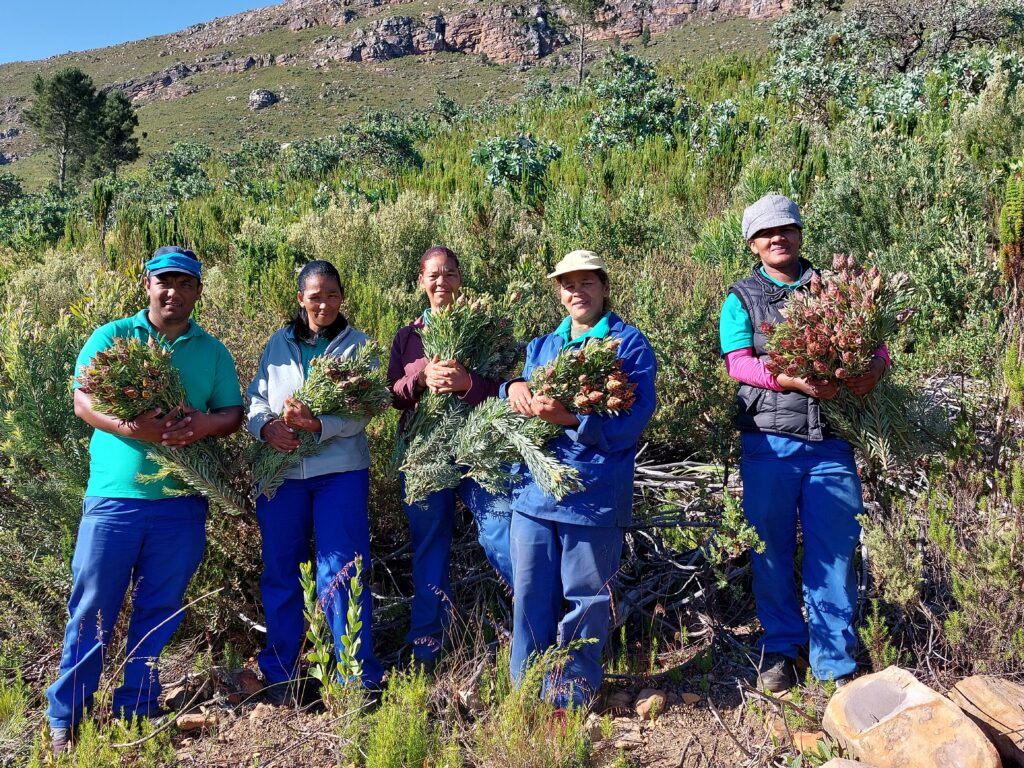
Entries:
{"x":35,"y":29}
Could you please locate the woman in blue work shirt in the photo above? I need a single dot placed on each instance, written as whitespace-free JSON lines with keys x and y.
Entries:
{"x":325,"y":496}
{"x":569,"y":550}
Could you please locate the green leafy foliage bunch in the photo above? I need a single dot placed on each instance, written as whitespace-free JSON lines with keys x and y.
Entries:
{"x":475,"y":332}
{"x":585,"y":379}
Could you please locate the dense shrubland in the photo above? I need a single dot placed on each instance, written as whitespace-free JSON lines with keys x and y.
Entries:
{"x":910,"y":162}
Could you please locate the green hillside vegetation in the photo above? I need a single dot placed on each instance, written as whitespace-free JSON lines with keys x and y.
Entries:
{"x":318,"y":99}
{"x":916,"y":171}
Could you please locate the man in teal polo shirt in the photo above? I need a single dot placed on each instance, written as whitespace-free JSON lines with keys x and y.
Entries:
{"x":132,"y":533}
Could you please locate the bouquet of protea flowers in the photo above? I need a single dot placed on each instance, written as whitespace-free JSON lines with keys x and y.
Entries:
{"x":585,"y":379}
{"x":348,"y":387}
{"x":131,"y":378}
{"x":831,"y":332}
{"x":439,"y":449}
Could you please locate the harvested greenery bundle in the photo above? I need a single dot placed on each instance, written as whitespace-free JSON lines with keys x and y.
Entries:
{"x":477,"y":333}
{"x":833,"y":331}
{"x":891,"y":426}
{"x":133,"y":377}
{"x":347,"y":387}
{"x":494,"y":436}
{"x":585,"y":379}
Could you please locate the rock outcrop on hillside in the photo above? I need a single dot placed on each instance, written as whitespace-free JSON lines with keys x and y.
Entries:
{"x":496,"y":22}
{"x":517,"y":34}
{"x":504,"y":33}
{"x":162,"y":84}
{"x":377,"y":31}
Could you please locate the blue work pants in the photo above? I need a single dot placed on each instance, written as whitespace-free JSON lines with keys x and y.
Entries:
{"x":431,"y":530}
{"x":332,"y":510}
{"x":152,"y":546}
{"x":555,"y":561}
{"x":786,"y":479}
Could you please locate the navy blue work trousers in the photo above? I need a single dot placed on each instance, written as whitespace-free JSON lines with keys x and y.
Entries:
{"x":787,"y":480}
{"x":556,"y":563}
{"x":151,"y":546}
{"x":331,"y":510}
{"x":431,"y":530}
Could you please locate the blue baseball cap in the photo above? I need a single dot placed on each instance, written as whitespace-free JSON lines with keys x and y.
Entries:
{"x":171,"y":258}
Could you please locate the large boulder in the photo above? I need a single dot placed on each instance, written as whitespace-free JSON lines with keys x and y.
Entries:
{"x":261,"y":98}
{"x":997,"y":705}
{"x":891,"y":720}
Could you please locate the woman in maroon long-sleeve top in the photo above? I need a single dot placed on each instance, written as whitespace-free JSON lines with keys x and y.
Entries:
{"x":432,"y":521}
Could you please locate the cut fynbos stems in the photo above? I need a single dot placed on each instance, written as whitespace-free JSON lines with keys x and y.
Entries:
{"x":131,"y":378}
{"x":832,"y":331}
{"x":476,"y":332}
{"x":585,"y":379}
{"x":494,"y":437}
{"x":349,"y":387}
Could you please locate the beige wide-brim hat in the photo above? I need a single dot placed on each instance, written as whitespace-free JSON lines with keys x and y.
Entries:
{"x":579,"y":260}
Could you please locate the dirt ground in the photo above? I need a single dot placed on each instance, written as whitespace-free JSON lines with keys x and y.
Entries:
{"x":712,"y":719}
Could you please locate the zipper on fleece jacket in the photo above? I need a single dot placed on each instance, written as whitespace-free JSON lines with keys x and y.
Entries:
{"x":297,"y":354}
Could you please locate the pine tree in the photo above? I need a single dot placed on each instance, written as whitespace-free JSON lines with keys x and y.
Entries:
{"x":586,"y":14}
{"x":114,"y":142}
{"x":90,"y":132}
{"x":65,"y":114}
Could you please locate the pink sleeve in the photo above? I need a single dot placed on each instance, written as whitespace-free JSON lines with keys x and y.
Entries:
{"x":883,"y":352}
{"x":741,"y":365}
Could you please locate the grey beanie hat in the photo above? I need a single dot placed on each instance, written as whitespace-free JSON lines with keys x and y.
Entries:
{"x":770,"y":211}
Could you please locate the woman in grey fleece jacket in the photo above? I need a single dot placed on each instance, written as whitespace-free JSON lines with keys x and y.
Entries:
{"x":325,"y":496}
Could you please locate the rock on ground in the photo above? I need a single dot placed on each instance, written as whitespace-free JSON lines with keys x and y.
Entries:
{"x":807,"y":741}
{"x":997,"y":706}
{"x":891,"y":720}
{"x":261,"y":98}
{"x":196,"y":721}
{"x":650,"y":703}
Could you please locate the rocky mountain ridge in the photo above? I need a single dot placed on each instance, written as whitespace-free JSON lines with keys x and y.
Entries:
{"x":369,"y":32}
{"x":505,"y":34}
